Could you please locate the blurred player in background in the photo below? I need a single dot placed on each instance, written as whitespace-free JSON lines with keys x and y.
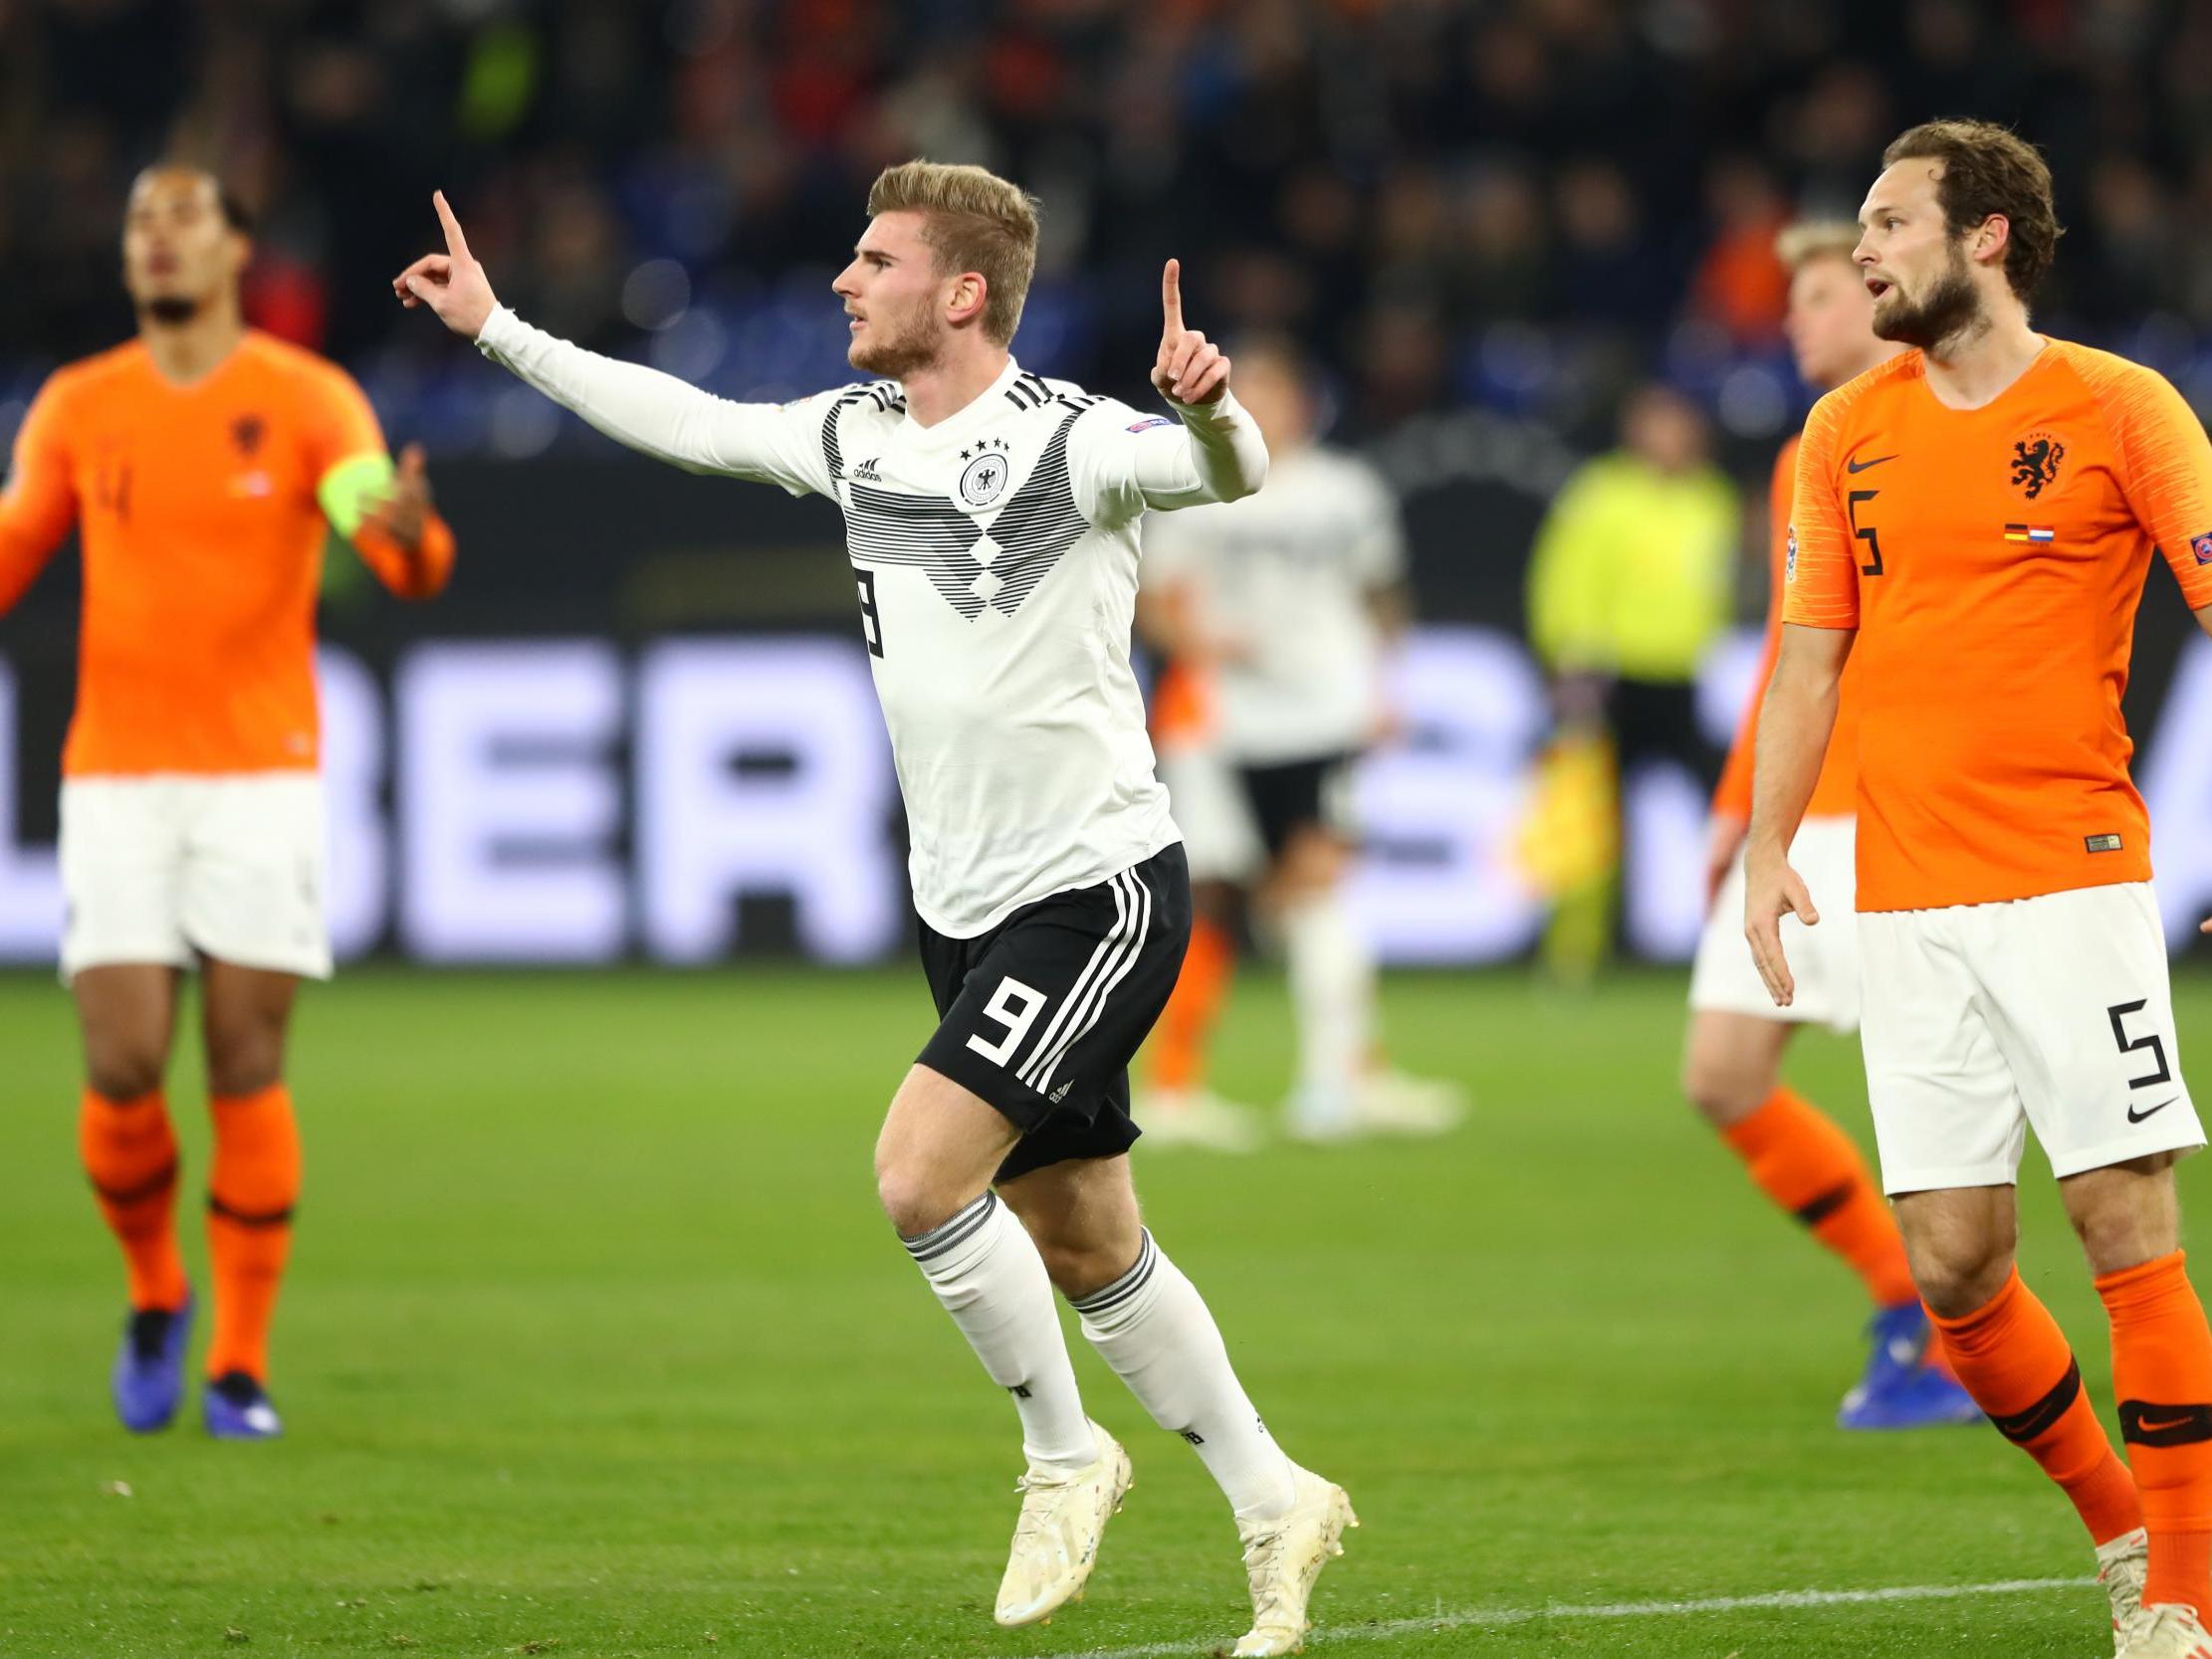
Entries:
{"x":1627,"y":589}
{"x":203,"y":466}
{"x":990,"y":518}
{"x":1796,"y":1152}
{"x":1273,"y":613}
{"x":1979,"y":516}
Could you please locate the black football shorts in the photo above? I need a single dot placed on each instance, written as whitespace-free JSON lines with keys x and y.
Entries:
{"x":1042,"y":1015}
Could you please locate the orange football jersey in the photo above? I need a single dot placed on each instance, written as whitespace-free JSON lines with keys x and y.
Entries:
{"x":1992,"y":561}
{"x":1836,"y":793}
{"x":204,"y":545}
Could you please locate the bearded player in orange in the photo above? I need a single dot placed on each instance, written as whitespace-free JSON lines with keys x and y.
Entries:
{"x":203,"y":465}
{"x":1732,"y":1063}
{"x":1973,"y":524}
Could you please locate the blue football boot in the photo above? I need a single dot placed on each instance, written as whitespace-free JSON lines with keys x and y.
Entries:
{"x":1900,"y":1389}
{"x":236,"y":1407}
{"x":149,"y":1379}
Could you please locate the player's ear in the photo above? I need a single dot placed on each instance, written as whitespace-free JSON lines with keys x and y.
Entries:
{"x":971,"y":293}
{"x":1990,"y":241}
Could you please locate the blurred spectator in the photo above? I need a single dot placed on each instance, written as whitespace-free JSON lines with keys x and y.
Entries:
{"x":1383,"y":178}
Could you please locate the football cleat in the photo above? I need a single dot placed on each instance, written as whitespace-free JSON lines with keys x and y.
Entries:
{"x":236,"y":1407}
{"x":1900,"y":1389}
{"x":1198,"y":1118}
{"x":2121,"y":1566}
{"x":2165,"y":1631}
{"x":148,"y":1380}
{"x":1283,"y":1558}
{"x":1055,"y":1541}
{"x":1398,"y":1103}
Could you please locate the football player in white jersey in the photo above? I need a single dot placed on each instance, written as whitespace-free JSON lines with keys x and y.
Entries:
{"x":990,"y":520}
{"x":1283,"y":604}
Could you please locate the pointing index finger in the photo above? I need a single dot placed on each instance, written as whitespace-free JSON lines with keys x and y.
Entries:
{"x":456,"y":244}
{"x":1171,"y":296}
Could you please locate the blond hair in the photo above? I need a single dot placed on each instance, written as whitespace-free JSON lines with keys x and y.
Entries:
{"x":973,"y":220}
{"x":1812,"y":239}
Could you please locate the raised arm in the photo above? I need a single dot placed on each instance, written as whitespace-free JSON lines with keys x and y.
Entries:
{"x":654,"y":413}
{"x":1219,"y":455}
{"x":39,"y":504}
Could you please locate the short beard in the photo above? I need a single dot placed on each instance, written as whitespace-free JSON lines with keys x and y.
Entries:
{"x":1950,"y":309}
{"x":911,"y":348}
{"x":170,"y":311}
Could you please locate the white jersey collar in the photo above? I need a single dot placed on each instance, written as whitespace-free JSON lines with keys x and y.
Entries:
{"x":946,"y":432}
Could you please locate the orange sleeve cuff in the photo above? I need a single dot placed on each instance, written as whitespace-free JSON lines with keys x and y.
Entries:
{"x":418,"y":572}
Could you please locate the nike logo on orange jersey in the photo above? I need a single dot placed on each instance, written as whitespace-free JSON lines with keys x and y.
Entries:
{"x":1862,"y":465}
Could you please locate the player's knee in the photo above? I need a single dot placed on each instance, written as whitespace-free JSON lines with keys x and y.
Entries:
{"x":1078,"y":1267}
{"x":1723,"y":1094}
{"x":122,"y":1067}
{"x":912,"y":1202}
{"x":1955,"y":1276}
{"x":244,"y":1064}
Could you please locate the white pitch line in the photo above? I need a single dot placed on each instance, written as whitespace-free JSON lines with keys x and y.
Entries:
{"x":1474,"y":1619}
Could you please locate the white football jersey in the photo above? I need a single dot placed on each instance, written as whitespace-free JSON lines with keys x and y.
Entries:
{"x":1286,"y":577}
{"x":994,"y":564}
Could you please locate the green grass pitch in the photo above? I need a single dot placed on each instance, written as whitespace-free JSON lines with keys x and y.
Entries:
{"x":596,"y":1345}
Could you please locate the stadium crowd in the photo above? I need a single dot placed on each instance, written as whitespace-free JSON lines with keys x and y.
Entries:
{"x":1524,"y":204}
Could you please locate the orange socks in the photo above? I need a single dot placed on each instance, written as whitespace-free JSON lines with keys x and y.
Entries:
{"x":249,"y":1223}
{"x":1807,"y":1164}
{"x":2011,"y":1356}
{"x":130,"y":1152}
{"x":2162,"y":1374}
{"x":1178,"y":1056}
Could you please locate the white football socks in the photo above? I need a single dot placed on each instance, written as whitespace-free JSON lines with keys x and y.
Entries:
{"x":1153,"y":1328}
{"x":985,"y":1269}
{"x":1332,"y":994}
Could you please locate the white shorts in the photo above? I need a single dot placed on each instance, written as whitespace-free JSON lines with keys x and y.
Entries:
{"x":1984,"y":1019}
{"x":1208,"y":803}
{"x":1823,"y":960}
{"x":169,"y":868}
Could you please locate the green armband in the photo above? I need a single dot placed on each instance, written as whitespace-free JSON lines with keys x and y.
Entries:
{"x":348,"y":489}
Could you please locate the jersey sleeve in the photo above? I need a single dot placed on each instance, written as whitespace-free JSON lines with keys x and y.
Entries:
{"x":352,"y":473}
{"x":1820,"y":574}
{"x":1122,"y":462}
{"x":1378,"y":556}
{"x":667,"y":418}
{"x":1733,"y":798}
{"x":2167,"y":466}
{"x":37,"y":506}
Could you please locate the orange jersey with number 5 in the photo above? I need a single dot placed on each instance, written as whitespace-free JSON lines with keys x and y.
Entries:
{"x":202,"y":540}
{"x":1992,"y":561}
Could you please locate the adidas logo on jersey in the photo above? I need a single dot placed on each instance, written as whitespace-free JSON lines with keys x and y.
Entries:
{"x":866,"y":471}
{"x":1061,"y":1093}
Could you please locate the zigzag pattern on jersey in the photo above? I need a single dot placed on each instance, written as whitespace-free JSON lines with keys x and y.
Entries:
{"x":1035,"y":531}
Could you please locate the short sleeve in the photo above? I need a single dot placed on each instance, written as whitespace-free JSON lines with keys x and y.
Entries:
{"x":1820,"y":574}
{"x":2167,"y":466}
{"x":1173,"y":547}
{"x":1379,"y":548}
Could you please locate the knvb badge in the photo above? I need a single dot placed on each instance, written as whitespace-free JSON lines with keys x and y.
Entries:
{"x":2202,"y":547}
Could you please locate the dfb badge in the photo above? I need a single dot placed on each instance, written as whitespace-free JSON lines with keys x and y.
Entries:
{"x":984,"y":480}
